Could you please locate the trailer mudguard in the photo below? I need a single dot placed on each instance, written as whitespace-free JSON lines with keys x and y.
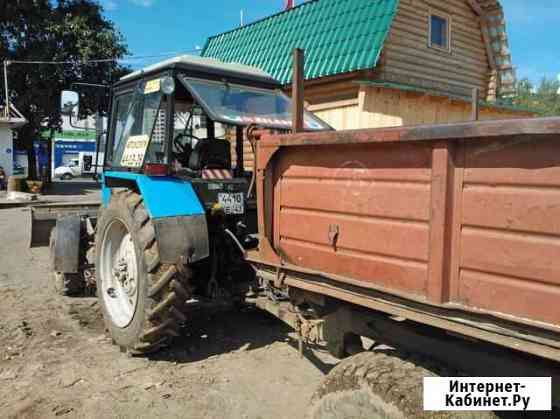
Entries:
{"x":66,"y":251}
{"x":179,"y":217}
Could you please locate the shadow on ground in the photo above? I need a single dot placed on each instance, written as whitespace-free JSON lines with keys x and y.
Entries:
{"x":210,"y":334}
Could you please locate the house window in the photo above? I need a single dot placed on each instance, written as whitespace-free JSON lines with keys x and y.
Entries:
{"x":439,"y":32}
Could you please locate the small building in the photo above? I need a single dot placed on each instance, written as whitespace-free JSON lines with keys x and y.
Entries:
{"x":68,"y":145}
{"x":75,"y":137}
{"x":8,"y":122}
{"x":379,"y":63}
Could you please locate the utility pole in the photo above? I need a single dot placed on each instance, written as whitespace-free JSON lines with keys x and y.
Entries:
{"x":7,"y":108}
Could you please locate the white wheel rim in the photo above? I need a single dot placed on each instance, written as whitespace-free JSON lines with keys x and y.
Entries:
{"x":119,"y":274}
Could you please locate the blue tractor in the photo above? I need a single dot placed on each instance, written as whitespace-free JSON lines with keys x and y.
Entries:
{"x":178,"y":208}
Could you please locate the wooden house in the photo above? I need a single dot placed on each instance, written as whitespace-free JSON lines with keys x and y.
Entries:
{"x":379,"y":63}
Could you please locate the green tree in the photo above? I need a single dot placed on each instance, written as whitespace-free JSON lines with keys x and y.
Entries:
{"x":544,"y":99}
{"x":69,"y":31}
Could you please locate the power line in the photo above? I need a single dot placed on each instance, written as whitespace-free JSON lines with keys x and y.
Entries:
{"x":6,"y":63}
{"x":102,"y":60}
{"x":106,"y":60}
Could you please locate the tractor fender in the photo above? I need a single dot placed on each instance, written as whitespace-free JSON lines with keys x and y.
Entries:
{"x":178,"y":216}
{"x":66,"y":250}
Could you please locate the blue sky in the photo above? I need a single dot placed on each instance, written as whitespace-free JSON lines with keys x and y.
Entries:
{"x":160,"y":26}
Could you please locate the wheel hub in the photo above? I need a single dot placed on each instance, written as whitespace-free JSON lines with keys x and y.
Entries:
{"x":119,"y":273}
{"x":124,"y":277}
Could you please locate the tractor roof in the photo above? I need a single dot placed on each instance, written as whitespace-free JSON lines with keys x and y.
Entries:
{"x":208,"y":66}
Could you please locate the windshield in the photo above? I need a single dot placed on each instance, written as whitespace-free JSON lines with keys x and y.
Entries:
{"x":136,"y":117}
{"x":244,"y":105}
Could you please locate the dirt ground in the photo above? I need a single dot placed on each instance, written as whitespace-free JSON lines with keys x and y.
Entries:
{"x":55,"y":360}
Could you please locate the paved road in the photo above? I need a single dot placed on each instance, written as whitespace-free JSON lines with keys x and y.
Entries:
{"x":55,"y":360}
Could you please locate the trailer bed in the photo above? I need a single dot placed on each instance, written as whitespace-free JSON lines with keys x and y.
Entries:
{"x":464,"y":217}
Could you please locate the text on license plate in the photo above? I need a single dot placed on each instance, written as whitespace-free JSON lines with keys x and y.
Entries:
{"x":233,"y":203}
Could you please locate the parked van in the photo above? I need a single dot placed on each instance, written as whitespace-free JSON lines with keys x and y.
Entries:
{"x":81,"y":166}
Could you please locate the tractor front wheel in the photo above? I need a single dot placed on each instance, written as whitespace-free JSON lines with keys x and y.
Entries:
{"x":143,"y":301}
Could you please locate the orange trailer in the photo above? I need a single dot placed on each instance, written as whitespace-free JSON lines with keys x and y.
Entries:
{"x":441,"y":240}
{"x":456,"y":226}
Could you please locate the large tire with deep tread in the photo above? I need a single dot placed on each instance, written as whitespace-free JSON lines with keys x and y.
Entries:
{"x":65,"y":284}
{"x":163,"y":288}
{"x":379,"y":385}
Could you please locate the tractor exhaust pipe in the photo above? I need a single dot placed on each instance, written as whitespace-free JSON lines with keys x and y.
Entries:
{"x":298,"y":90}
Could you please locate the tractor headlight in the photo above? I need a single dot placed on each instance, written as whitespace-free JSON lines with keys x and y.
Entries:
{"x":168,"y":85}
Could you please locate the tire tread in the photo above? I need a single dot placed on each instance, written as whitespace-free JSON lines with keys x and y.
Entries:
{"x":391,"y":380}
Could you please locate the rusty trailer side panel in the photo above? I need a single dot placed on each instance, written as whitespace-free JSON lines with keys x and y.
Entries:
{"x":463,"y":216}
{"x":508,"y":234}
{"x":364,"y":218}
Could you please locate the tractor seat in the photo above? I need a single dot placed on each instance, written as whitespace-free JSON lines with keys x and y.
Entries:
{"x":211,"y":154}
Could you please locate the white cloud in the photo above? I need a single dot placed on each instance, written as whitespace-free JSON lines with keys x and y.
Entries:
{"x":143,"y":3}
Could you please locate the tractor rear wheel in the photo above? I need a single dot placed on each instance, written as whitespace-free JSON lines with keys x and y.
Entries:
{"x":143,"y":301}
{"x":380,"y":385}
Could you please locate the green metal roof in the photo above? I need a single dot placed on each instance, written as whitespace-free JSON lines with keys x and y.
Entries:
{"x":338,"y":36}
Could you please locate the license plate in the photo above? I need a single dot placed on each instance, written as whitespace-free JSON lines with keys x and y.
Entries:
{"x":233,"y":203}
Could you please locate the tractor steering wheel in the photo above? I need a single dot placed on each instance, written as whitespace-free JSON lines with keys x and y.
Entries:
{"x":184,"y":149}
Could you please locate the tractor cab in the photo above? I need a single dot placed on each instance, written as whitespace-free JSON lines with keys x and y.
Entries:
{"x":186,"y":117}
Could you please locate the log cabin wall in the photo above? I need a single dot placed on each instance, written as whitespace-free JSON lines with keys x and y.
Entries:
{"x":376,"y":107}
{"x":409,"y":58}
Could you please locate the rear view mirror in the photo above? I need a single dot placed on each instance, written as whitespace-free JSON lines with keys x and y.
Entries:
{"x":69,"y":102}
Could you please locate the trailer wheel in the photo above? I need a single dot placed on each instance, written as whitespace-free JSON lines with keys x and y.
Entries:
{"x":143,"y":301}
{"x":65,"y":284}
{"x":377,"y":385}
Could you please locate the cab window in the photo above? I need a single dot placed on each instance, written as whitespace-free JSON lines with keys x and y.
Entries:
{"x":139,"y":130}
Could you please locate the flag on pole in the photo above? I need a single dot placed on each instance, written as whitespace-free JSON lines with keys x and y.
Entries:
{"x":289,"y":4}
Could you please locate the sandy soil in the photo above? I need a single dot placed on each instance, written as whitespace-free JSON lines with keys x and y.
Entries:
{"x":55,"y":360}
